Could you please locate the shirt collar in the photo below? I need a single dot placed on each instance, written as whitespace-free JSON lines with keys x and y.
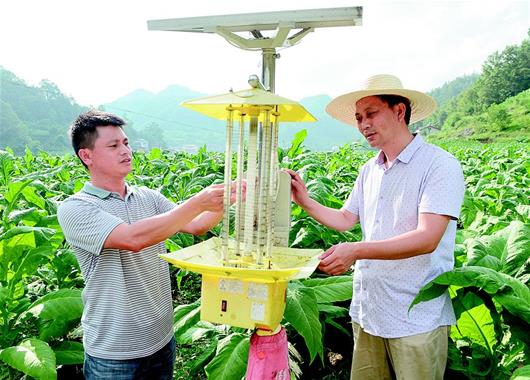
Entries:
{"x":406,"y":154}
{"x":102,"y":193}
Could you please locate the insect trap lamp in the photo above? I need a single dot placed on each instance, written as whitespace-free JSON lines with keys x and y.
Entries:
{"x":244,"y":277}
{"x":245,"y":272}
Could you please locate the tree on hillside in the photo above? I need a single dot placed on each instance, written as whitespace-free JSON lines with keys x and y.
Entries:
{"x":445,"y":98}
{"x":35,"y":116}
{"x":452,"y":89}
{"x":504,"y":74}
{"x":13,"y":133}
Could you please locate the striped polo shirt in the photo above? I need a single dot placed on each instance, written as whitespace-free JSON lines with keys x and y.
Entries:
{"x":422,"y":179}
{"x":127,"y":300}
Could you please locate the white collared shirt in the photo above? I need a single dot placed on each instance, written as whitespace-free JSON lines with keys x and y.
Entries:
{"x":422,"y":179}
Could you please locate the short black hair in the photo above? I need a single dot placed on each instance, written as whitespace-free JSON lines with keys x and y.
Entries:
{"x":392,"y":100}
{"x":83,"y":132}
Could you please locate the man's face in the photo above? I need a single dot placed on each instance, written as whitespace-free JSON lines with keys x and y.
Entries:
{"x":111,"y":155}
{"x":376,"y":120}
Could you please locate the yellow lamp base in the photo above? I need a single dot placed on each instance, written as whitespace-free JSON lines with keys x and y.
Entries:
{"x":243,"y":303}
{"x":243,"y":293}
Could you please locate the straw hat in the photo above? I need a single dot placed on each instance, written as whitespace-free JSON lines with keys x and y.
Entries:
{"x":343,"y":107}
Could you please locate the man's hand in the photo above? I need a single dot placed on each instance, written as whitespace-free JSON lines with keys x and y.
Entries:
{"x":233,"y":191}
{"x":298,"y":189}
{"x":338,"y":259}
{"x":211,"y":198}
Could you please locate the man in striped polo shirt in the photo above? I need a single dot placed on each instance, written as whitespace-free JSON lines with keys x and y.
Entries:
{"x":407,"y":200}
{"x":117,"y":232}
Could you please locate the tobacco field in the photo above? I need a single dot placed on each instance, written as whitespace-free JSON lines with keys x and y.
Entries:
{"x":40,"y":281}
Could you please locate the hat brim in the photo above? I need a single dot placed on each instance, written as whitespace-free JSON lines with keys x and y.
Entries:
{"x":343,"y":107}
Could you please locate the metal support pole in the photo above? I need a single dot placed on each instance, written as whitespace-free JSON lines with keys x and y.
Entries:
{"x":268,"y":68}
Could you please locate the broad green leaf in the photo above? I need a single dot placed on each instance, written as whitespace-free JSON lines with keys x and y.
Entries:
{"x":332,"y":310}
{"x":205,"y":357}
{"x":14,"y":189}
{"x":331,"y":289}
{"x":480,"y":277}
{"x":515,"y":298}
{"x":172,"y":246}
{"x":28,"y":157}
{"x":33,"y":357}
{"x":186,"y":316}
{"x":524,"y":211}
{"x":296,"y":145}
{"x":430,"y":291}
{"x":517,"y":247}
{"x":63,"y":304}
{"x":485,"y":253}
{"x":302,"y":313}
{"x":305,"y":237}
{"x":58,"y":312}
{"x":6,"y":166}
{"x":505,"y":250}
{"x":29,"y":193}
{"x":27,"y":261}
{"x":69,"y":352}
{"x":474,"y":322}
{"x":230,"y":363}
{"x":55,"y":328}
{"x":194,"y":333}
{"x":18,"y":215}
{"x":509,"y":291}
{"x":154,"y":154}
{"x":522,"y":373}
{"x":38,"y":232}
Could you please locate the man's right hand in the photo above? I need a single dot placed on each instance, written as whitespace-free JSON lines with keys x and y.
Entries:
{"x":211,"y":198}
{"x":298,"y":189}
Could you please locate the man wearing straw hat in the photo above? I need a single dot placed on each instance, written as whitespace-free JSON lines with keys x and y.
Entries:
{"x":407,"y":200}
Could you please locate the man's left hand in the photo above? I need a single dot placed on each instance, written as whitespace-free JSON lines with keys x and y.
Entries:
{"x":338,"y":259}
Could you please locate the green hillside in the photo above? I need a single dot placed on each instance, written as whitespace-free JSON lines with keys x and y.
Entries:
{"x":507,"y":121}
{"x":34,"y":116}
{"x":452,"y":89}
{"x":180,"y":128}
{"x":490,"y":106}
{"x":496,"y":106}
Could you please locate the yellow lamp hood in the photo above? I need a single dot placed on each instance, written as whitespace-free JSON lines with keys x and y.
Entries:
{"x":250,"y":101}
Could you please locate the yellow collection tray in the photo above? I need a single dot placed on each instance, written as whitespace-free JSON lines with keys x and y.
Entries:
{"x":206,"y":258}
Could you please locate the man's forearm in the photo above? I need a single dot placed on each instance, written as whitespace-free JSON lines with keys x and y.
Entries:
{"x":203,"y":223}
{"x":152,"y":230}
{"x":403,"y":246}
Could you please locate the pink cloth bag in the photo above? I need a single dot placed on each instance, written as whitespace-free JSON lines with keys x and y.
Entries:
{"x":268,"y":357}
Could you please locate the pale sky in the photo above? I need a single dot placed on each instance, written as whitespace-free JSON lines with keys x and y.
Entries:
{"x":99,"y":50}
